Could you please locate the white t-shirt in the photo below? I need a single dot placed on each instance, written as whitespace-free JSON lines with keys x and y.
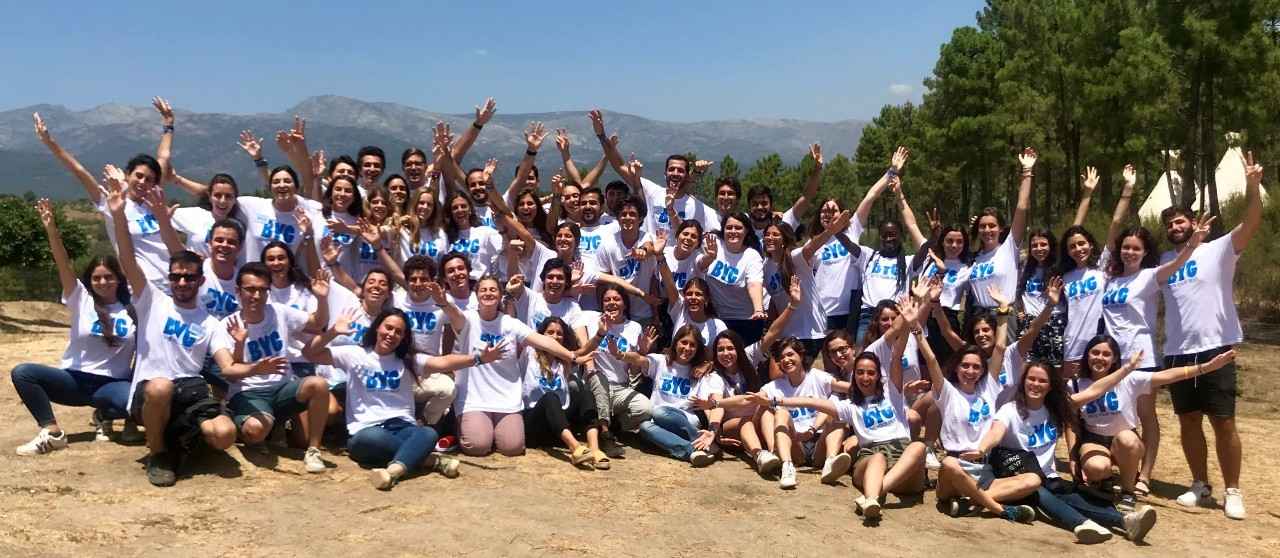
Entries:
{"x":496,"y":386}
{"x":299,"y":297}
{"x":910,"y":358}
{"x":627,"y":335}
{"x":880,"y":276}
{"x":592,"y":239}
{"x":1082,"y":289}
{"x":87,"y":350}
{"x":197,"y":224}
{"x":1010,"y":377}
{"x":1129,"y":310}
{"x":480,"y":245}
{"x":1117,"y":409}
{"x":427,"y":321}
{"x":682,"y":270}
{"x":881,"y":421}
{"x":173,"y":342}
{"x":998,"y":267}
{"x":686,"y":206}
{"x":144,"y":230}
{"x":218,"y":295}
{"x":485,"y":214}
{"x":264,"y":224}
{"x":533,"y":309}
{"x":1033,"y":297}
{"x":615,"y":257}
{"x":728,"y":278}
{"x":530,"y":267}
{"x":955,"y":281}
{"x":809,"y":321}
{"x":966,"y":416}
{"x":672,"y":385}
{"x":536,"y":384}
{"x":340,"y":299}
{"x":1035,"y":433}
{"x":431,"y":243}
{"x":816,"y":383}
{"x":837,"y":272}
{"x":1200,"y":312}
{"x":380,"y":388}
{"x":680,"y":317}
{"x":279,"y":328}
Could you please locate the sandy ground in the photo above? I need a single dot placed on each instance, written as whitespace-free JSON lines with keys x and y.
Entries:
{"x":93,"y":499}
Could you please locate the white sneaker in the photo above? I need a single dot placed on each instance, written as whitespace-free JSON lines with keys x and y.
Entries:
{"x":101,"y":427}
{"x":870,"y":508}
{"x":700,"y":458}
{"x":130,"y":434}
{"x":766,"y":462}
{"x":788,"y":477}
{"x":1234,"y":506}
{"x":931,"y":460}
{"x":313,"y":461}
{"x":1091,"y":533}
{"x":1200,"y":494}
{"x":835,"y":467}
{"x":43,"y":443}
{"x":1138,"y":523}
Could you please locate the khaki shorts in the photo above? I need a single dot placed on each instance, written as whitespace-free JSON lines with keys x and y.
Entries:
{"x":891,"y":450}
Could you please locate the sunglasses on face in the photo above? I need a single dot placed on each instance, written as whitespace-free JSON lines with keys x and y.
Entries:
{"x":180,"y":277}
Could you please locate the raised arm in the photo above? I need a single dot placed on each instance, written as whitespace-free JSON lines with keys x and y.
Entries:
{"x":816,"y":242}
{"x":66,"y":275}
{"x":1165,"y":271}
{"x":896,"y":162}
{"x":1018,"y":226}
{"x":1252,"y":205}
{"x":669,"y":288}
{"x":294,"y":145}
{"x":632,"y":358}
{"x":611,"y":153}
{"x":1088,"y":182}
{"x":483,"y":114}
{"x":456,"y":319}
{"x":1100,"y":387}
{"x":810,"y":192}
{"x":155,"y":201}
{"x":68,"y":160}
{"x":935,"y":372}
{"x":193,"y":187}
{"x":253,"y":147}
{"x":317,"y":350}
{"x":564,"y":146}
{"x":795,"y":295}
{"x":164,"y":151}
{"x":1001,"y":342}
{"x":908,"y":217}
{"x":114,"y":179}
{"x":1028,"y":340}
{"x":1172,"y":375}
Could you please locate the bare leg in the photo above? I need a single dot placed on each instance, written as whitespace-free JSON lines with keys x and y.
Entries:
{"x":218,"y":432}
{"x":156,"y":402}
{"x":1194,"y":446}
{"x":1230,"y":452}
{"x":953,"y":481}
{"x":314,"y":391}
{"x":873,"y":476}
{"x":1126,"y":449}
{"x":907,"y":475}
{"x":1150,"y":433}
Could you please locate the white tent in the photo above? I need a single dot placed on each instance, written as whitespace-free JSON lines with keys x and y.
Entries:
{"x":1229,"y":176}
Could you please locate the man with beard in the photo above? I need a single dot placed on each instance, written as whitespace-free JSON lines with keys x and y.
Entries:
{"x":760,"y":199}
{"x":480,"y":180}
{"x":168,"y":396}
{"x":1200,"y":322}
{"x":681,"y":175}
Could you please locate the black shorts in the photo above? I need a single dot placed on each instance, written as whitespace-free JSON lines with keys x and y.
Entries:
{"x":1213,"y":394}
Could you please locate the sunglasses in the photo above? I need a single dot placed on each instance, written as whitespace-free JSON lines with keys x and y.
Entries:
{"x":180,"y":277}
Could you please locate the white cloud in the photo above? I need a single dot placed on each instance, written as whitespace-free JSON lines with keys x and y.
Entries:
{"x":480,"y":52}
{"x":900,"y":89}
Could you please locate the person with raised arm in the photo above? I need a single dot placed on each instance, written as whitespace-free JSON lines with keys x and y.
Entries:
{"x":564,"y":145}
{"x":534,"y":307}
{"x":996,"y":259}
{"x":216,"y":201}
{"x":1129,"y":307}
{"x":1022,"y":439}
{"x":1200,"y":321}
{"x":608,"y":376}
{"x":95,"y":368}
{"x":167,"y":394}
{"x":785,"y":264}
{"x":380,"y":414}
{"x":308,"y":182}
{"x":760,"y":199}
{"x":736,"y":277}
{"x":626,"y":254}
{"x":1037,"y":270}
{"x":691,"y":303}
{"x":884,"y":273}
{"x":281,"y":217}
{"x":421,"y":233}
{"x":251,"y":349}
{"x":557,"y":403}
{"x":142,"y":173}
{"x":948,"y":257}
{"x":681,"y":175}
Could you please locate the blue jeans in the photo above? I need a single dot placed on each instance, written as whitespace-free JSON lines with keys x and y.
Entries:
{"x":864,"y":320}
{"x":1073,"y":508}
{"x":394,"y":441}
{"x":39,"y":386}
{"x":669,"y":429}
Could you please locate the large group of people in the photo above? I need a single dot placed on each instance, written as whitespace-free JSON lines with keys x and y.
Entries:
{"x":434,"y":311}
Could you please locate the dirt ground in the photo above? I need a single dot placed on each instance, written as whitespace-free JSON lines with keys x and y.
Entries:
{"x":93,"y":498}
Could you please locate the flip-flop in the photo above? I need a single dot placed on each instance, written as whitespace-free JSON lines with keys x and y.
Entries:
{"x":581,"y":455}
{"x":600,"y":460}
{"x":1141,"y":488}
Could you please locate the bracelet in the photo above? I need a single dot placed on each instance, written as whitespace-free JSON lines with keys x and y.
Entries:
{"x":260,"y":163}
{"x":1028,"y":172}
{"x":774,"y":401}
{"x":167,"y":129}
{"x":478,"y":362}
{"x":531,"y":153}
{"x":1002,"y":311}
{"x":891,"y":173}
{"x":477,"y":125}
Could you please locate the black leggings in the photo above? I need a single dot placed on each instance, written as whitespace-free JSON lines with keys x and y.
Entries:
{"x":546,"y":420}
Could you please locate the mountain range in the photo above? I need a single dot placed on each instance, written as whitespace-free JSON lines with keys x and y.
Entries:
{"x":205,"y":143}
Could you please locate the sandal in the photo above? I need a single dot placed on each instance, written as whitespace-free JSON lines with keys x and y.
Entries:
{"x":600,"y":460}
{"x":1141,"y":488}
{"x":581,"y":455}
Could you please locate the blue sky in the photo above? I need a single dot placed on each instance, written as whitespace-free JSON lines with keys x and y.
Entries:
{"x":683,"y":61}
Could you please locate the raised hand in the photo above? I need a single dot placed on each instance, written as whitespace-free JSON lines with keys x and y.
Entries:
{"x":1089,"y":180}
{"x":1135,"y":360}
{"x":486,"y":111}
{"x":597,"y":121}
{"x":1252,"y":169}
{"x":815,"y":151}
{"x":154,"y":199}
{"x":650,"y":338}
{"x":515,"y":284}
{"x":935,"y":287}
{"x":613,"y":346}
{"x":899,"y":158}
{"x":251,"y":145}
{"x":935,"y":221}
{"x":369,"y":232}
{"x":1130,"y":175}
{"x":660,"y":242}
{"x":794,"y":293}
{"x":997,"y":296}
{"x":304,"y":221}
{"x":42,"y":131}
{"x":329,"y":250}
{"x":1201,"y":231}
{"x":318,"y":163}
{"x":320,"y":283}
{"x":637,"y":168}
{"x":343,"y":324}
{"x":699,"y":167}
{"x":515,"y":246}
{"x":709,"y":247}
{"x":1053,"y":291}
{"x":534,"y":134}
{"x":562,"y":141}
{"x":490,"y":167}
{"x":45,"y":209}
{"x":1028,"y":159}
{"x":298,"y":133}
{"x":436,"y":293}
{"x":840,"y":223}
{"x":441,"y":137}
{"x":557,"y":184}
{"x":166,"y":111}
{"x":236,"y":329}
{"x":909,"y":310}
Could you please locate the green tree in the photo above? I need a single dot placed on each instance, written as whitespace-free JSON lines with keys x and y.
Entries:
{"x":23,"y":243}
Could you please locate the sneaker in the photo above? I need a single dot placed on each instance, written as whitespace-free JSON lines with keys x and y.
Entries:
{"x":443,"y":464}
{"x":1091,"y":533}
{"x":611,"y":447}
{"x":101,"y":427}
{"x":1234,"y":506}
{"x":700,"y":458}
{"x":1138,"y":523}
{"x":931,"y":460}
{"x":161,"y":469}
{"x":381,"y":479}
{"x":1127,"y":502}
{"x":787,"y":479}
{"x":835,"y":467}
{"x":958,"y":507}
{"x":447,"y":444}
{"x":130,"y":433}
{"x":859,"y":503}
{"x":767,"y":463}
{"x":43,"y":443}
{"x":870,"y":508}
{"x":313,"y":461}
{"x":1200,"y":494}
{"x":1019,"y":514}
